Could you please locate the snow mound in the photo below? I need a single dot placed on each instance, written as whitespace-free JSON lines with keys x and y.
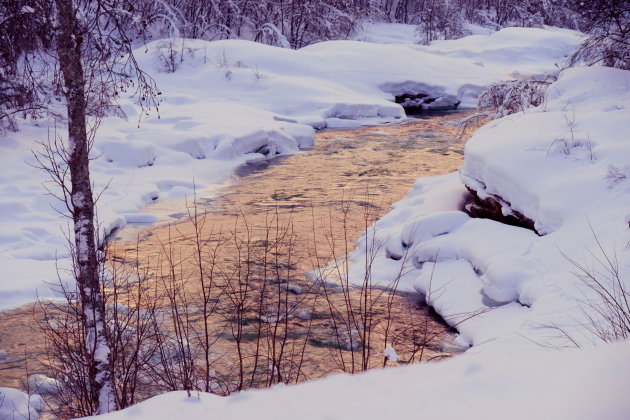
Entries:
{"x":521,"y":51}
{"x":503,"y":286}
{"x":585,"y":385}
{"x":17,"y":405}
{"x":226,"y":103}
{"x":128,"y":154}
{"x":42,"y":384}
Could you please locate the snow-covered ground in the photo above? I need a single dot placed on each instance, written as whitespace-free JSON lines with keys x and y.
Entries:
{"x":226,"y":101}
{"x":578,"y":385}
{"x":565,"y":165}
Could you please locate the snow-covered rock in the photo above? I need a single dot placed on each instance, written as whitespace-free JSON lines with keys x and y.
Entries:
{"x":16,"y":405}
{"x":43,"y":385}
{"x":523,"y":286}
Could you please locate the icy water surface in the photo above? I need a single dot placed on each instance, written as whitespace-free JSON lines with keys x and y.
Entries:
{"x":328,"y":196}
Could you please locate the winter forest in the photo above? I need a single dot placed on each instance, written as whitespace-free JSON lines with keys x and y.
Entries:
{"x":319,"y":209}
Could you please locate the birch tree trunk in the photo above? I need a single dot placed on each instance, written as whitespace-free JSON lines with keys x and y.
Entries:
{"x":68,"y":44}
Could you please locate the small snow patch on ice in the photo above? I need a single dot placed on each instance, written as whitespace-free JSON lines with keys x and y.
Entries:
{"x":44,"y":385}
{"x":390,"y":354}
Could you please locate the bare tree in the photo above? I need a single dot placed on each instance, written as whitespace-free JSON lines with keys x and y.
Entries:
{"x":84,"y":43}
{"x":82,"y":207}
{"x":608,"y":24}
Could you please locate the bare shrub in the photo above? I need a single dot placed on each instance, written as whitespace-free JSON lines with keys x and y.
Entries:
{"x":220,"y":309}
{"x":515,"y":95}
{"x":579,"y":147}
{"x":370,"y":326}
{"x":616,"y":174}
{"x":606,"y":297}
{"x":605,"y":49}
{"x":608,"y":25}
{"x":129,"y":308}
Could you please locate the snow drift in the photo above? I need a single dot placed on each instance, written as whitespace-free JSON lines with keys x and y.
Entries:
{"x":563,"y":165}
{"x":226,"y":103}
{"x":584,"y":385}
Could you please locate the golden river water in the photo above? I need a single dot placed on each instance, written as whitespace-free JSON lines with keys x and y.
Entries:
{"x":323,"y":199}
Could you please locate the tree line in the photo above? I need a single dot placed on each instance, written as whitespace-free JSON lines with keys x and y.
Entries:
{"x":28,"y":26}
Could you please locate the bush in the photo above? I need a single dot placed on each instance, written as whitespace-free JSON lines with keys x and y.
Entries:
{"x":606,"y":298}
{"x":608,"y":24}
{"x":221,"y":310}
{"x":515,"y":95}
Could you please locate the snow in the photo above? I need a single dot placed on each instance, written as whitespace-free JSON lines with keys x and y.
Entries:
{"x":564,"y":165}
{"x":580,"y":385}
{"x":228,"y":103}
{"x":512,"y":46}
{"x":17,"y":405}
{"x":522,"y":283}
{"x":387,"y":33}
{"x":42,"y":384}
{"x":391,"y":354}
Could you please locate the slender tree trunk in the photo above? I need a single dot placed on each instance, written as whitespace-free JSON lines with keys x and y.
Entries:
{"x":86,"y":262}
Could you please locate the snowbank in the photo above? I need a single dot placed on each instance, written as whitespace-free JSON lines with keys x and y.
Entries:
{"x":579,"y":385}
{"x":387,"y":33}
{"x":227,"y":103}
{"x":521,"y":283}
{"x":17,"y":405}
{"x":564,"y":165}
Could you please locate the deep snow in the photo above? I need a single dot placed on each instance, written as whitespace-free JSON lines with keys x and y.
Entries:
{"x":238,"y":97}
{"x":225,"y":101}
{"x":564,"y":165}
{"x":577,"y":385}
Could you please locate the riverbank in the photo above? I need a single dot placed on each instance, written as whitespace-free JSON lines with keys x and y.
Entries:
{"x":366,"y":168}
{"x":541,"y":294}
{"x":230,"y":102}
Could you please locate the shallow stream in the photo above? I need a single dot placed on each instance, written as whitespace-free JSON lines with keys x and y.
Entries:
{"x":327,"y":195}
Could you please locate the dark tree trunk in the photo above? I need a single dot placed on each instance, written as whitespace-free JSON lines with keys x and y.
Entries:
{"x":82,"y":205}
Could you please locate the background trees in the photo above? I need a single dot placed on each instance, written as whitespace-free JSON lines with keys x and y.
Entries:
{"x":608,"y":24}
{"x":297,"y":23}
{"x":25,"y":31}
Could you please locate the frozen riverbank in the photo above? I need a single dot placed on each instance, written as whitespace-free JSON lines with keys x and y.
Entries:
{"x":563,"y":165}
{"x":527,"y":284}
{"x":230,"y":102}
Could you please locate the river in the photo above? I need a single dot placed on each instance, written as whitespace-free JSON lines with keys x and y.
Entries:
{"x":322,"y":199}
